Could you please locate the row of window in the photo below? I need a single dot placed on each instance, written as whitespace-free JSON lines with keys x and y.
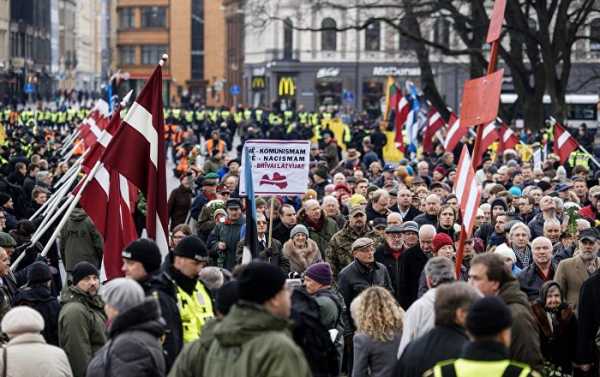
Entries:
{"x":150,"y":54}
{"x":151,"y":17}
{"x":441,"y":35}
{"x":27,"y":46}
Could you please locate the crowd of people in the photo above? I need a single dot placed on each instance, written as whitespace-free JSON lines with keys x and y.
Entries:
{"x":355,"y":277}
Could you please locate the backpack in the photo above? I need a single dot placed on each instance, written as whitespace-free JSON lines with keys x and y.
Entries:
{"x":312,"y":337}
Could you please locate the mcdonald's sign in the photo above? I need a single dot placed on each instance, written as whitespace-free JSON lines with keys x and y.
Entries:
{"x":258,"y":83}
{"x":287,"y":86}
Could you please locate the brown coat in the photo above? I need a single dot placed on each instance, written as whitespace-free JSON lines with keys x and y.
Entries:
{"x":301,"y":258}
{"x":570,"y":275}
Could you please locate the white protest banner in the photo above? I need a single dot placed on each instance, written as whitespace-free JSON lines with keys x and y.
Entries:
{"x":279,"y":167}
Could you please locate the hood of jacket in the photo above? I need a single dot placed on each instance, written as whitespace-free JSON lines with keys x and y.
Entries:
{"x":74,"y":294}
{"x":78,"y":214}
{"x":35,"y":294}
{"x":246,"y":321}
{"x":143,"y":317}
{"x":511,"y":293}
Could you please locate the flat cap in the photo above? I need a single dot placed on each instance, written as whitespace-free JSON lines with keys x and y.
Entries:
{"x":362,"y":242}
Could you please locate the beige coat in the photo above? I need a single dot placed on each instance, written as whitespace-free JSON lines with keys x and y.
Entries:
{"x":28,"y":355}
{"x":301,"y":258}
{"x":570,"y":275}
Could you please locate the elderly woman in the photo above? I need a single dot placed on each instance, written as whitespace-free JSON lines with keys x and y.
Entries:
{"x":558,"y":330}
{"x":518,"y":239}
{"x":378,"y":319}
{"x":331,"y":207}
{"x":301,"y":251}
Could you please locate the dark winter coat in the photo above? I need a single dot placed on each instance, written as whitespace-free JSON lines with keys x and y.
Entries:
{"x":531,"y":281}
{"x":525,"y":342}
{"x":395,"y":267}
{"x":372,"y":214}
{"x":410,"y":214}
{"x":588,"y":316}
{"x":179,"y":204}
{"x":425,"y":218}
{"x":439,"y":344}
{"x":134,"y":347}
{"x":559,"y":338}
{"x":80,"y":241}
{"x":228,"y":232}
{"x":81,"y":327}
{"x":414,"y":263}
{"x":281,"y":232}
{"x":40,"y":298}
{"x":272,"y":255}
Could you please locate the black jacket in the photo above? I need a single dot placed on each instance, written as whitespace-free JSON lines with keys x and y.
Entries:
{"x":281,"y":232}
{"x":372,"y":214}
{"x":439,"y":344}
{"x":557,"y":339}
{"x":41,"y":299}
{"x":588,"y":316}
{"x":410,"y":215}
{"x":134,"y":348}
{"x":395,"y":267}
{"x":425,"y":218}
{"x":531,"y":281}
{"x":356,"y":277}
{"x":414,"y":263}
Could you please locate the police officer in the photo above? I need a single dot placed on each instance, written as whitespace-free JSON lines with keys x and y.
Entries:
{"x":185,"y":302}
{"x":489,"y":324}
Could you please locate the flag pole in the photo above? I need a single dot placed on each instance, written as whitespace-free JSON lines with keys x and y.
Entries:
{"x":68,"y":142}
{"x":55,"y":202}
{"x":589,"y":155}
{"x":45,"y":208}
{"x":271,"y":220}
{"x":63,"y":221}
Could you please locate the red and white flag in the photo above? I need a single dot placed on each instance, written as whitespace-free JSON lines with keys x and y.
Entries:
{"x":455,"y":133}
{"x":137,"y":151}
{"x":402,"y":110}
{"x":508,"y":138}
{"x":434,"y":123}
{"x":109,"y":200}
{"x":488,"y":137}
{"x":91,"y":128}
{"x":564,"y":143}
{"x":467,"y":190}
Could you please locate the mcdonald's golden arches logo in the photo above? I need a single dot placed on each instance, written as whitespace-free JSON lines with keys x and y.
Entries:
{"x":258,"y":82}
{"x":287,"y":86}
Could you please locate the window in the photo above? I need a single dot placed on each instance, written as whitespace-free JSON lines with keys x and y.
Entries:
{"x":328,"y":35}
{"x":288,"y":39}
{"x":126,"y":20}
{"x":126,"y":55}
{"x":154,"y":17}
{"x":151,"y":53}
{"x":441,"y":32}
{"x":595,"y":35}
{"x":197,"y":54}
{"x":406,"y":43}
{"x":373,"y":36}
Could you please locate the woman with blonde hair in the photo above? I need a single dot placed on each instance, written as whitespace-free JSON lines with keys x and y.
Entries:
{"x":378,"y":320}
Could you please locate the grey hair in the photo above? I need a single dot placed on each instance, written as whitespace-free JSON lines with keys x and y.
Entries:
{"x":378,"y":194}
{"x":551,"y":222}
{"x":40,"y":176}
{"x":427,"y":228}
{"x":451,"y":297}
{"x":330,"y":198}
{"x":559,"y":203}
{"x":583,"y":224}
{"x":439,"y":270}
{"x":212,"y":277}
{"x":516,"y":226}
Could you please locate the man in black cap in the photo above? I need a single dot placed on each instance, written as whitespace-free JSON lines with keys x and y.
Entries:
{"x":258,"y":327}
{"x":489,"y":325}
{"x":185,"y":302}
{"x":141,"y":260}
{"x":223,"y":239}
{"x":81,"y":322}
{"x":37,"y":295}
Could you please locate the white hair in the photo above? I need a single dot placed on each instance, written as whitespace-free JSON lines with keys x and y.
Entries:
{"x":427,"y":229}
{"x":519,"y":225}
{"x":550,"y":222}
{"x":329,"y":198}
{"x":505,"y":251}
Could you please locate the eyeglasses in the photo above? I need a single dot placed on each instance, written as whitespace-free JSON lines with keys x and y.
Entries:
{"x":261,"y":223}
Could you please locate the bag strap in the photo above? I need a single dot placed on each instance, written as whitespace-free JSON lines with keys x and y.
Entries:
{"x":448,"y":370}
{"x":4,"y":359}
{"x":512,"y":371}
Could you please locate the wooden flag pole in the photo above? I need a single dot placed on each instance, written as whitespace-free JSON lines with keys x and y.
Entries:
{"x":271,"y":220}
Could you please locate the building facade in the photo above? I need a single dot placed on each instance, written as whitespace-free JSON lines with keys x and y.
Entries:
{"x":88,"y":52}
{"x":234,"y":59}
{"x":190,"y":31}
{"x":67,"y":44}
{"x":287,"y":67}
{"x":4,"y":45}
{"x":29,"y":74}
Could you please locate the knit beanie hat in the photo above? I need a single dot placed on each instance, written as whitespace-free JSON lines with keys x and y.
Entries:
{"x":299,"y":229}
{"x":83,"y":269}
{"x":488,"y":316}
{"x":500,"y":202}
{"x":122,"y":294}
{"x":226,"y":297}
{"x":39,"y":272}
{"x":192,"y":247}
{"x":144,"y":251}
{"x":320,"y":272}
{"x":440,"y":240}
{"x":21,"y":320}
{"x":259,"y":281}
{"x":4,"y":198}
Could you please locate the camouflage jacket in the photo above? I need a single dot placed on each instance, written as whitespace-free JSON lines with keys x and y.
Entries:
{"x":339,"y":253}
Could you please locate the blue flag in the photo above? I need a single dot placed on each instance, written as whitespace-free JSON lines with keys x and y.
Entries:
{"x":250,"y":236}
{"x":412,"y":122}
